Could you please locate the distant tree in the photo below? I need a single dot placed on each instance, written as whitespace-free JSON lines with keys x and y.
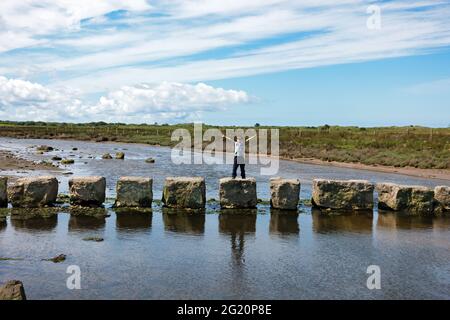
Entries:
{"x":257,"y":124}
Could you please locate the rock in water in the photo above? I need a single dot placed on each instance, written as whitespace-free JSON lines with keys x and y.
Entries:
{"x":150,"y":160}
{"x":184,"y":192}
{"x":44,"y":148}
{"x":59,"y":258}
{"x":95,"y":239}
{"x":237,"y":193}
{"x":120,"y":155}
{"x":106,"y":156}
{"x":411,"y":199}
{"x":134,"y":192}
{"x":34,"y":192}
{"x":285,"y":193}
{"x":12,"y":290}
{"x":87,"y":191}
{"x":442,"y":196}
{"x":342,"y":195}
{"x":3,"y":192}
{"x":67,"y":161}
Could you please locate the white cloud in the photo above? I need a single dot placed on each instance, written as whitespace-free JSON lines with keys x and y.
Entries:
{"x":27,"y":19}
{"x":101,"y":56}
{"x":168,"y":101}
{"x":24,"y":100}
{"x":77,"y":45}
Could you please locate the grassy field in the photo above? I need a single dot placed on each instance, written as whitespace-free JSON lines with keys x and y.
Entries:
{"x":413,"y":146}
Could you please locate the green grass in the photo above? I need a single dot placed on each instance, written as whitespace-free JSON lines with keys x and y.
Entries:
{"x":412,"y":146}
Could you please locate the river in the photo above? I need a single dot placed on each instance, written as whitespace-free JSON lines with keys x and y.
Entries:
{"x":260,"y":254}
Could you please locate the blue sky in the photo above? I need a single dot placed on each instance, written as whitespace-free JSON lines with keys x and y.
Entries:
{"x":343,"y":62}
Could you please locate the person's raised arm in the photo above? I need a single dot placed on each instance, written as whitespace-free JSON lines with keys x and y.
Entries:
{"x":224,"y":136}
{"x":251,"y":138}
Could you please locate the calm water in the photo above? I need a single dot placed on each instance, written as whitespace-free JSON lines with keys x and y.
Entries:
{"x":260,"y":254}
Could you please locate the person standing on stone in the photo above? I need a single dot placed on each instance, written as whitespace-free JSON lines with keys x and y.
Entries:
{"x":239,"y":154}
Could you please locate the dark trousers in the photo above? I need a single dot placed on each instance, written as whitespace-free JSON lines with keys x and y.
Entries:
{"x":237,"y":164}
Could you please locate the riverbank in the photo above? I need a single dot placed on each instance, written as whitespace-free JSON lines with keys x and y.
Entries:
{"x":406,"y":147}
{"x":440,"y":174}
{"x":11,"y":162}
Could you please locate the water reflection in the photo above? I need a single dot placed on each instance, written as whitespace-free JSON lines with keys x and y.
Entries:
{"x":441,"y":222}
{"x":283,"y":222}
{"x":33,"y":222}
{"x":360,"y":222}
{"x":393,"y":220}
{"x":184,"y":221}
{"x":3,"y":215}
{"x":79,"y":222}
{"x":131,"y":220}
{"x":237,"y":224}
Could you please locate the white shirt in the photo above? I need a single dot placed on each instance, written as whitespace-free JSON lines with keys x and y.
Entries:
{"x":238,"y":149}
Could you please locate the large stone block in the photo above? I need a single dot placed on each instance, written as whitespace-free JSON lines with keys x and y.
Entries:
{"x":3,"y":192}
{"x":412,"y":199}
{"x":284,"y":193}
{"x":442,"y":197}
{"x":237,"y":193}
{"x":12,"y":290}
{"x":87,"y":191}
{"x":34,"y":192}
{"x":184,"y":192}
{"x":134,"y":192}
{"x":343,"y":195}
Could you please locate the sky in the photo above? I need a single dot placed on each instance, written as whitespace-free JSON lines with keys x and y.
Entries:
{"x":273,"y":62}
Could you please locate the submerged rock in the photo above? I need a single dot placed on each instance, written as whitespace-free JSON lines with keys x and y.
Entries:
{"x":62,"y":198}
{"x":184,"y":192}
{"x":237,"y":193}
{"x":134,"y":192}
{"x":120,"y":155}
{"x":57,"y":259}
{"x":12,"y":290}
{"x":95,"y":239}
{"x":106,"y":156}
{"x":34,"y":192}
{"x":285,"y":193}
{"x":56,"y":158}
{"x":412,"y":199}
{"x":67,"y":161}
{"x":3,"y":192}
{"x":342,"y":195}
{"x":87,"y":191}
{"x":44,"y":148}
{"x":150,"y":160}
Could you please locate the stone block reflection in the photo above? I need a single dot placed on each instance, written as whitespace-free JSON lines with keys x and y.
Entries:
{"x":184,"y":221}
{"x":283,"y":222}
{"x":335,"y":222}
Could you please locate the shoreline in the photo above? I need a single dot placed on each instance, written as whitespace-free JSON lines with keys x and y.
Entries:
{"x":8,"y":163}
{"x":11,"y":162}
{"x":437,"y":174}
